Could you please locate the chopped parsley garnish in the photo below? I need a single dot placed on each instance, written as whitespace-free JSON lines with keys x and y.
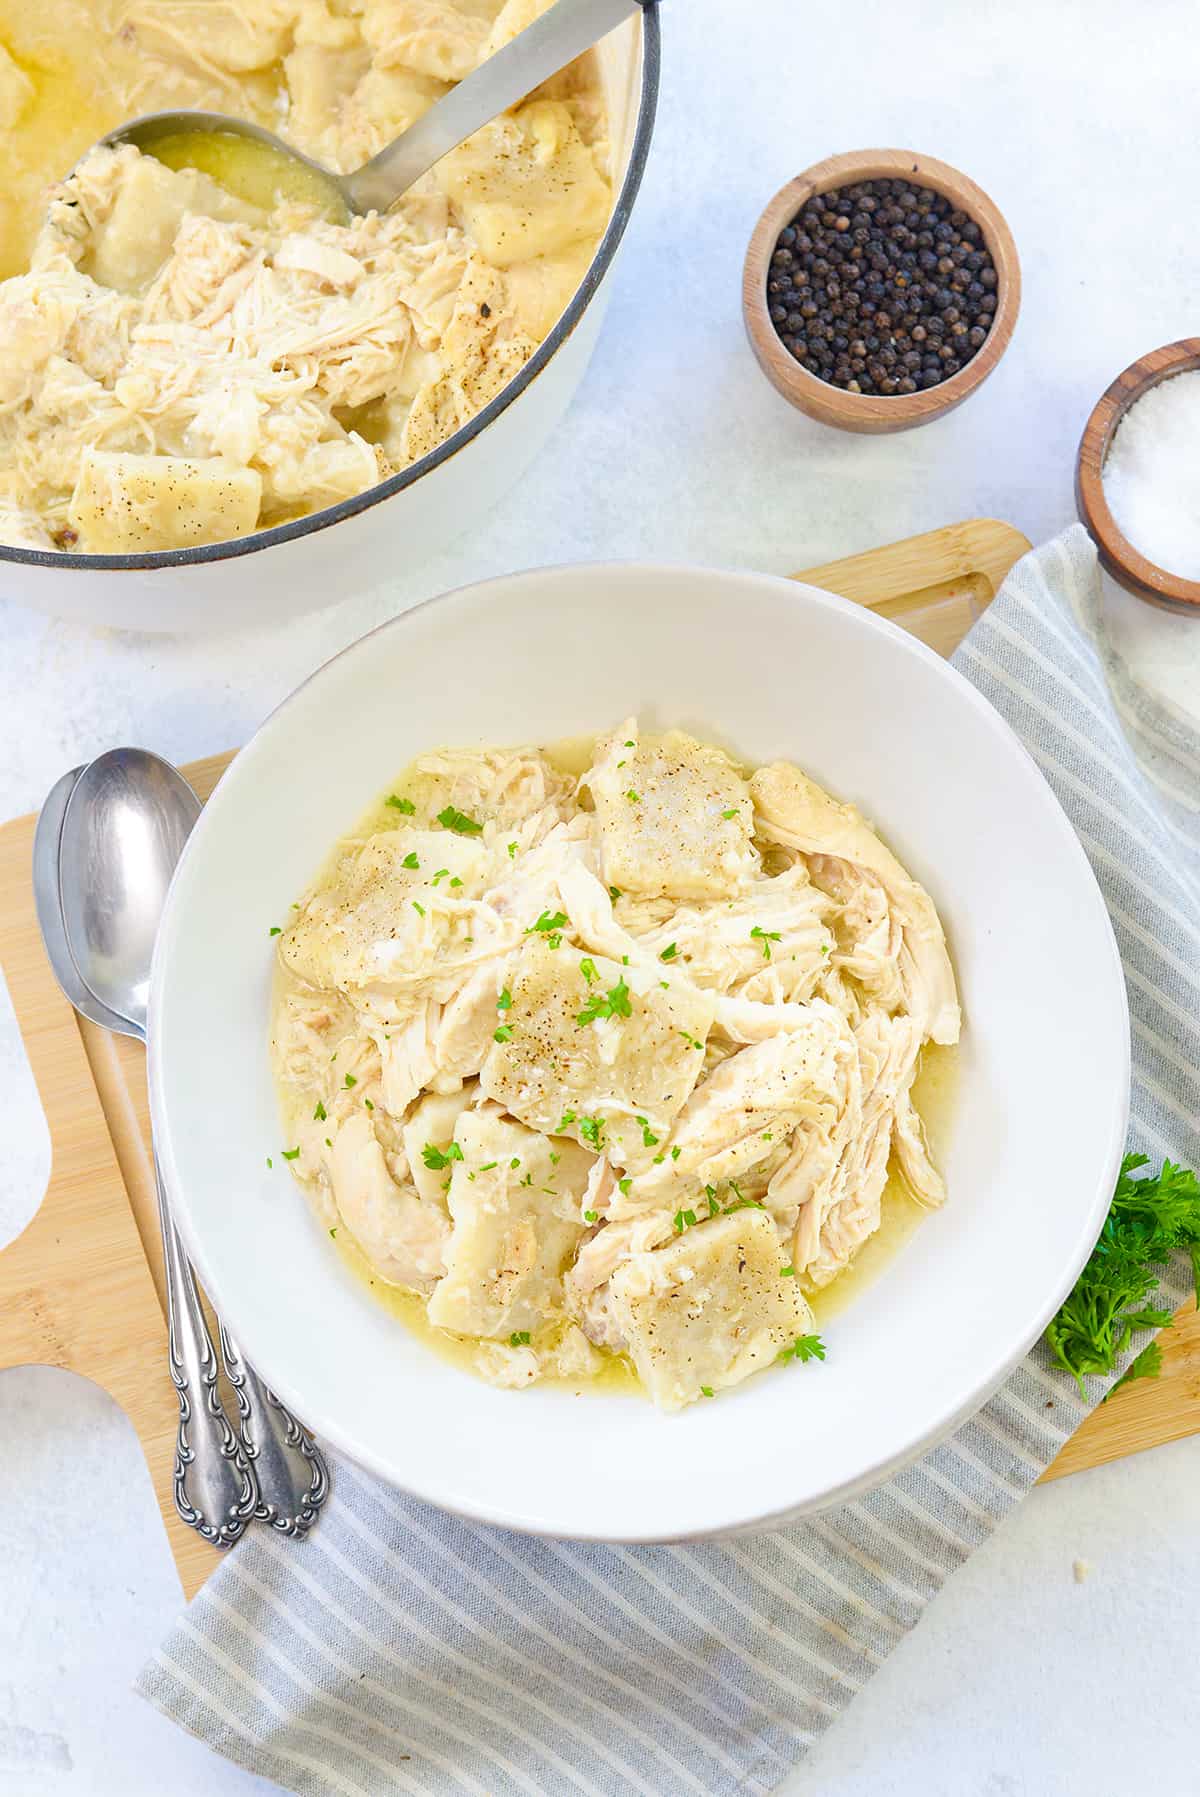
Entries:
{"x":528,"y":1180}
{"x":669,"y":953}
{"x":691,"y":1041}
{"x":659,"y":1159}
{"x":512,"y":851}
{"x":684,"y":1219}
{"x":629,"y":743}
{"x":649,"y":1139}
{"x":333,"y":1233}
{"x":565,"y":1122}
{"x":675,"y":1153}
{"x":766,"y":937}
{"x":436,"y":1158}
{"x":275,"y":930}
{"x":270,"y":1162}
{"x":592,"y":1131}
{"x":441,"y":874}
{"x":741,"y":1203}
{"x":824,"y":948}
{"x":368,"y":1104}
{"x":419,"y":909}
{"x":320,"y":1114}
{"x":503,"y":1034}
{"x":613,"y":1003}
{"x":548,"y":923}
{"x":291,"y":1154}
{"x":455,"y":882}
{"x":1150,"y":1219}
{"x":623,"y":1186}
{"x":458,"y":821}
{"x":515,"y":1162}
{"x":591,"y":1216}
{"x":732,"y":812}
{"x":787,"y":1272}
{"x":504,"y":1002}
{"x":328,"y":1143}
{"x":404,"y":805}
{"x":410,"y":860}
{"x":714,"y":1209}
{"x":635,"y":798}
{"x":805,"y":1347}
{"x":706,"y":1391}
{"x":587,"y":968}
{"x":620,"y":765}
{"x":350,"y":1081}
{"x":488,"y":1165}
{"x":614,"y":893}
{"x":519,"y":1338}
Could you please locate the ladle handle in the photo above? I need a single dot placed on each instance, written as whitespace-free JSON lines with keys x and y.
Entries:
{"x":555,"y":39}
{"x":216,"y":1492}
{"x":293,"y":1479}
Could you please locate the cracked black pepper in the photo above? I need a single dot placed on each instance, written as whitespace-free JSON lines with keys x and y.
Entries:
{"x":882,"y":287}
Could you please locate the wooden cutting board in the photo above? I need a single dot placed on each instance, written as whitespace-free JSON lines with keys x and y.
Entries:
{"x":82,"y":1287}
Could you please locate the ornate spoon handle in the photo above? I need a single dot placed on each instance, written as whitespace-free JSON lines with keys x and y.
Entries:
{"x":293,"y":1479}
{"x":215,"y":1488}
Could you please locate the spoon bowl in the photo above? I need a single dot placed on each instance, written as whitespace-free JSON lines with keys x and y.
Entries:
{"x":46,"y":842}
{"x":124,"y":825}
{"x":249,"y":160}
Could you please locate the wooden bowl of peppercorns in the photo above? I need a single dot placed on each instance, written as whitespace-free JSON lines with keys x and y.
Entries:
{"x":880,"y":289}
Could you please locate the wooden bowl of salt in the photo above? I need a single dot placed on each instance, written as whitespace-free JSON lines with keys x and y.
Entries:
{"x":1137,"y":477}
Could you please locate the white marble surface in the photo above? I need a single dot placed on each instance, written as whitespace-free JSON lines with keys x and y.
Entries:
{"x":1079,"y":118}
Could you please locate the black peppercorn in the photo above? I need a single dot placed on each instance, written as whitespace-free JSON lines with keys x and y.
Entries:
{"x":882,"y":287}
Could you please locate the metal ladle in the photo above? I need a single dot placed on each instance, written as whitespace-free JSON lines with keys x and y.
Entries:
{"x":564,"y":32}
{"x":107,"y":842}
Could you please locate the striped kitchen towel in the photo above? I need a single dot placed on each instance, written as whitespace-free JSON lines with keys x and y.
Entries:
{"x":403,"y":1650}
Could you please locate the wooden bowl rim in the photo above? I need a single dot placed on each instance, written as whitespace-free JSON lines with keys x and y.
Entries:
{"x":833,"y":404}
{"x":1127,"y":565}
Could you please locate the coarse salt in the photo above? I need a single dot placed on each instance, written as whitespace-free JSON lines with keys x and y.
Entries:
{"x":1152,"y":475}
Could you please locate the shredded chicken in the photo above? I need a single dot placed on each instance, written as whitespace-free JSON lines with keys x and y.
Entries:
{"x":181,"y":366}
{"x":655,"y":1122}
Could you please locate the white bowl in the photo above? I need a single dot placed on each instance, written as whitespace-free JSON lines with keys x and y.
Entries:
{"x":297,"y":567}
{"x":772,"y":669}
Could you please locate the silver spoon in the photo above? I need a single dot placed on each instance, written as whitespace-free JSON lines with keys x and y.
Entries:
{"x":124,"y":824}
{"x":541,"y":50}
{"x":215,"y":1492}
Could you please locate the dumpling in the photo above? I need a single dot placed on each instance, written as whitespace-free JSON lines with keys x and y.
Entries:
{"x":514,"y":1202}
{"x":709,"y":1309}
{"x":527,"y":185}
{"x":129,"y":504}
{"x":673,"y":816}
{"x":590,"y":1048}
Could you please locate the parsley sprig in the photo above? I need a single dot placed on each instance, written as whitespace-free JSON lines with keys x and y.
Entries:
{"x":805,"y":1347}
{"x":458,"y":821}
{"x":436,"y":1158}
{"x":613,"y":1003}
{"x":1151,"y":1218}
{"x":551,"y":925}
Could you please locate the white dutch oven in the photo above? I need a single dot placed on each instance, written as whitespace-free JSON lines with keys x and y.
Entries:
{"x":299,"y":566}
